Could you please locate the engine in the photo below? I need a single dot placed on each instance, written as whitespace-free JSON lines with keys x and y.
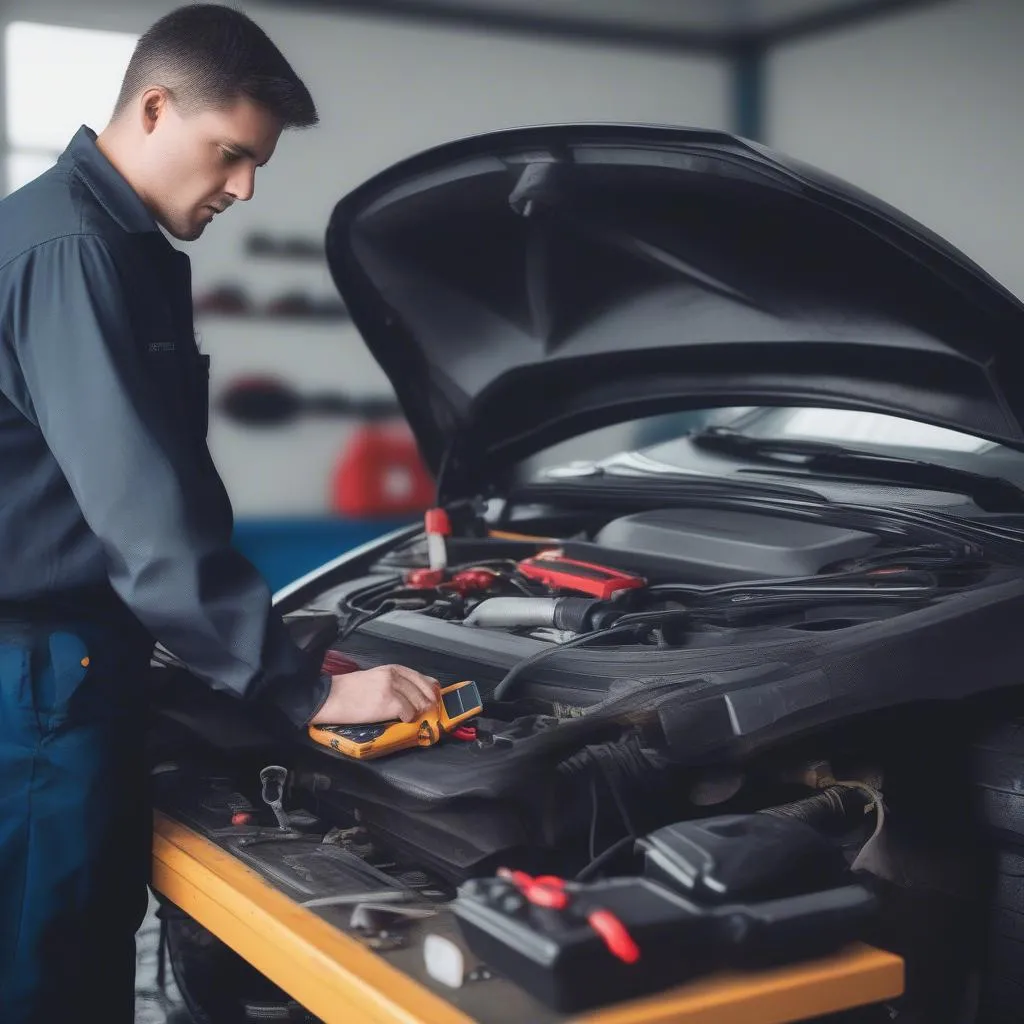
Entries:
{"x":563,"y":619}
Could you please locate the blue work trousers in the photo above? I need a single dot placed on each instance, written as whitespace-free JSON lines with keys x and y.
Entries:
{"x":75,"y":827}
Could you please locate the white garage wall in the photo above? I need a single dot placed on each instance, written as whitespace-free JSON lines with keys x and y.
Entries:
{"x":924,"y":110}
{"x":385,"y":90}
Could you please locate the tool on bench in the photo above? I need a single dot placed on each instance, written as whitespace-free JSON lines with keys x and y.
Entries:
{"x":274,"y":778}
{"x":730,"y":892}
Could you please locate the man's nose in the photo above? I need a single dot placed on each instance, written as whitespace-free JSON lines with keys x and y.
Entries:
{"x":243,"y":184}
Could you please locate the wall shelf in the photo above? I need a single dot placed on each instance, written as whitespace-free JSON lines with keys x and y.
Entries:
{"x":260,"y":245}
{"x":258,"y":317}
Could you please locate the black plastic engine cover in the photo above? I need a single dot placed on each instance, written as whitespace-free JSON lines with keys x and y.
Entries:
{"x":707,"y":546}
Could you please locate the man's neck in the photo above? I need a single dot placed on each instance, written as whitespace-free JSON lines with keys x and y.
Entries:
{"x":112,"y":144}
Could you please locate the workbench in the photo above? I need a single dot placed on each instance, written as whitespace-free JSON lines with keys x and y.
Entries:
{"x":312,"y":956}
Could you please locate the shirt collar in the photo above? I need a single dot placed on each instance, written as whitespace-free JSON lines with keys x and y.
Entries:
{"x":106,"y":183}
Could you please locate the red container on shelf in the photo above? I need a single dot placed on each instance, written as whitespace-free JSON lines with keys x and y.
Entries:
{"x":380,"y":473}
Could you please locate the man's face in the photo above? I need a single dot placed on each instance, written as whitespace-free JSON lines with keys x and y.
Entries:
{"x":195,"y":166}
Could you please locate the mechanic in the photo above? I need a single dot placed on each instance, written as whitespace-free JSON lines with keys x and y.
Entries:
{"x":115,"y":529}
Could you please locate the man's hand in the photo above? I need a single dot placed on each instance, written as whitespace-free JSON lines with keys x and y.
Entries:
{"x":377,"y":695}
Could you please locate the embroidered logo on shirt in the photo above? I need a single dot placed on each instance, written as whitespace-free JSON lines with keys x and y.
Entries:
{"x":161,"y":346}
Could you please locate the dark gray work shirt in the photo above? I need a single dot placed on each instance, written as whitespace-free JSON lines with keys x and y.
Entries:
{"x":105,"y":475}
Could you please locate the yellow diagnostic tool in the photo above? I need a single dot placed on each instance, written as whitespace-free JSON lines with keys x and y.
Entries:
{"x":457,"y":703}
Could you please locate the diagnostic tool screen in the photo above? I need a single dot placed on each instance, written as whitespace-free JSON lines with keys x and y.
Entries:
{"x":458,"y":702}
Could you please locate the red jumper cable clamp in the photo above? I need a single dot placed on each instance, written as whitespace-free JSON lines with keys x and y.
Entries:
{"x":549,"y":891}
{"x":437,"y":527}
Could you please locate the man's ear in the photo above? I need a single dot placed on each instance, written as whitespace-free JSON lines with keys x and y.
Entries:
{"x":153,"y":105}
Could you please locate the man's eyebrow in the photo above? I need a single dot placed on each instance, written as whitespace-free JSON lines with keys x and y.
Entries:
{"x":243,"y":150}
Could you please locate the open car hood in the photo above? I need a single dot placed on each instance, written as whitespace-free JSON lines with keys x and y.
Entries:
{"x":523,"y":287}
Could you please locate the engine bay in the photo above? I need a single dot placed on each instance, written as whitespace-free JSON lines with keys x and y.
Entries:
{"x":635,"y":672}
{"x":668,"y":586}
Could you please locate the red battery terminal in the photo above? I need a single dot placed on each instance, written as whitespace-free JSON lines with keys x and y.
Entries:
{"x":468,"y":581}
{"x":424,"y":579}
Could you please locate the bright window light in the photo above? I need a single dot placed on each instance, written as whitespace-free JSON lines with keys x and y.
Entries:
{"x":24,"y":167}
{"x":57,"y":79}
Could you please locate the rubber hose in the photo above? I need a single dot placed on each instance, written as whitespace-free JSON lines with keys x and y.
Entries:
{"x":510,"y":612}
{"x":837,"y":805}
{"x":573,"y":613}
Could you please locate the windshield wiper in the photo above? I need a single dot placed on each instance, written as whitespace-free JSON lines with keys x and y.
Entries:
{"x":799,"y":458}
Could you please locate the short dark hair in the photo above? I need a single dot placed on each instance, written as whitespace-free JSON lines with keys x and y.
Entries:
{"x":207,"y":55}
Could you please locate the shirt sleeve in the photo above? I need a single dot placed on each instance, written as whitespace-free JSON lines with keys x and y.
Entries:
{"x":145,"y":484}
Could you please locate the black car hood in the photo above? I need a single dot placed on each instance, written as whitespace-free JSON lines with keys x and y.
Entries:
{"x":526,"y":286}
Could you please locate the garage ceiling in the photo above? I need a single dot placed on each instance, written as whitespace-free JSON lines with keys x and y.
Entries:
{"x":704,"y":25}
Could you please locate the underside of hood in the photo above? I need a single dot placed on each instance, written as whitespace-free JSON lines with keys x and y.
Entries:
{"x":523,"y":287}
